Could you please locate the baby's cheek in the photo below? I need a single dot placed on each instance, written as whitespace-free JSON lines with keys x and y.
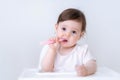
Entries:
{"x":59,"y":35}
{"x":73,"y":40}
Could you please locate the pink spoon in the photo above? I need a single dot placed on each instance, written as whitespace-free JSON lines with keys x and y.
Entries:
{"x":50,"y":41}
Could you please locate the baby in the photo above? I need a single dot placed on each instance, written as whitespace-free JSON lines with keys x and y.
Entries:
{"x":62,"y":52}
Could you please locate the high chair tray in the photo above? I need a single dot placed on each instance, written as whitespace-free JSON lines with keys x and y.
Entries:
{"x":103,"y":73}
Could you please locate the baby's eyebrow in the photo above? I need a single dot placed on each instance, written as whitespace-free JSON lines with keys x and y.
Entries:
{"x":63,"y":25}
{"x":75,"y":29}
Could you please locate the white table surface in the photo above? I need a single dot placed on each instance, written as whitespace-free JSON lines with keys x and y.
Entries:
{"x":103,"y":73}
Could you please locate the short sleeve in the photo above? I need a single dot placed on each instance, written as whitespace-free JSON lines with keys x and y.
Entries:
{"x":87,"y":55}
{"x":42,"y":54}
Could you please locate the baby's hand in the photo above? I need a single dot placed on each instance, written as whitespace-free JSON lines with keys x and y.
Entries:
{"x":54,"y":43}
{"x":81,"y":70}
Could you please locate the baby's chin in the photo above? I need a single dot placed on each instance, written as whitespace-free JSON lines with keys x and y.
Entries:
{"x":64,"y":44}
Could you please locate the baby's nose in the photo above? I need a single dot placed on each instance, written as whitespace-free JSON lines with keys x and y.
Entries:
{"x":67,"y":34}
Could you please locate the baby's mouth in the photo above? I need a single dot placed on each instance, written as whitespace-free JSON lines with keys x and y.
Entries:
{"x":63,"y":40}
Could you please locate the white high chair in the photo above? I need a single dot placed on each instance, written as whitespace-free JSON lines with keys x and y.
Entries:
{"x":103,"y":73}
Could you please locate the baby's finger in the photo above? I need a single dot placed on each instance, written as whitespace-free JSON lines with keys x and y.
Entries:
{"x":57,"y":40}
{"x":77,"y":67}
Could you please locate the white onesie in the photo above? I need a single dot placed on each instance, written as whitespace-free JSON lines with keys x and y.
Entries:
{"x":79,"y":55}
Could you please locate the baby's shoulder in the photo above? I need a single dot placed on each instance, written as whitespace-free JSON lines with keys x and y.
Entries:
{"x":84,"y":46}
{"x":81,"y":49}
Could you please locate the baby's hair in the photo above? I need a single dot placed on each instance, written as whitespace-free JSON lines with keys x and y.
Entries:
{"x":73,"y":14}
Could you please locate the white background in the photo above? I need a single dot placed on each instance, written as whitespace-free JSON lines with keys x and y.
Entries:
{"x":24,"y":23}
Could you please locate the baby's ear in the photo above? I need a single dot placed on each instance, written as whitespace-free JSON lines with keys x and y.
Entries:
{"x":82,"y":34}
{"x":56,"y":26}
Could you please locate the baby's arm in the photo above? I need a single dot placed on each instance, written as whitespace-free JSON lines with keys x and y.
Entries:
{"x":47,"y":63}
{"x":86,"y":69}
{"x":91,"y":67}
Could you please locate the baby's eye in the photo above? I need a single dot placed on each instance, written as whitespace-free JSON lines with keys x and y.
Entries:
{"x":74,"y":32}
{"x":63,"y":29}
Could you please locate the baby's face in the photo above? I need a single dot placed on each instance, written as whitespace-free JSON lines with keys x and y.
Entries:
{"x":69,"y":31}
